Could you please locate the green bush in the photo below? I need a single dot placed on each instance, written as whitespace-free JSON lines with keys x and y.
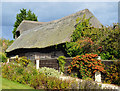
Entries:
{"x":3,"y":57}
{"x":89,"y":84}
{"x":103,"y":41}
{"x":113,"y":73}
{"x":50,"y":72}
{"x":23,"y":60}
{"x":16,"y":72}
{"x":29,"y":75}
{"x":62,"y":62}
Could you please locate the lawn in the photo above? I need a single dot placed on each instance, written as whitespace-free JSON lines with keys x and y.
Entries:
{"x":7,"y":84}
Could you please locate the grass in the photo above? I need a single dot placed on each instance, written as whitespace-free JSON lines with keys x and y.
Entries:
{"x":7,"y":84}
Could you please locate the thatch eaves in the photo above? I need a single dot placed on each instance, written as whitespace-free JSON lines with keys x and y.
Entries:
{"x":27,"y":24}
{"x":51,"y":33}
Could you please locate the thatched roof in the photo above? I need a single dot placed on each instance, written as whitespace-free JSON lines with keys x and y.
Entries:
{"x":26,"y":25}
{"x":51,"y":33}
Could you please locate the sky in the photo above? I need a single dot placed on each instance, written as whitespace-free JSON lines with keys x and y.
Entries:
{"x":105,"y":12}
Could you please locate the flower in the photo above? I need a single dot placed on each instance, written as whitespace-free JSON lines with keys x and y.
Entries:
{"x":8,"y":66}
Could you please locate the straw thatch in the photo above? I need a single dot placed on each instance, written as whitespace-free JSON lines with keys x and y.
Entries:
{"x":50,"y":33}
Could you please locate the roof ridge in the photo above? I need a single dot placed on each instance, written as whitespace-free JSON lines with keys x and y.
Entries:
{"x":29,"y":21}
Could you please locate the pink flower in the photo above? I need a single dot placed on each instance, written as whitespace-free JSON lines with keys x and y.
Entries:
{"x":3,"y":63}
{"x":8,"y":66}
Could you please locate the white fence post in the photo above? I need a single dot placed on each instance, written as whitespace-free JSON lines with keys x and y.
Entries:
{"x":8,"y":60}
{"x":37,"y":64}
{"x":98,"y":74}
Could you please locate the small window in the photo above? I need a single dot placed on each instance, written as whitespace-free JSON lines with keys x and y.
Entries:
{"x":17,"y":34}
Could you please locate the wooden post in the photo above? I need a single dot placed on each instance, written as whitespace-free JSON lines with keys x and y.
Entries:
{"x":98,"y":74}
{"x":37,"y":64}
{"x":8,"y":60}
{"x":37,"y":61}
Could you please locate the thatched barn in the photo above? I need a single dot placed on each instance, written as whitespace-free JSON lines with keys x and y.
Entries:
{"x":41,"y":38}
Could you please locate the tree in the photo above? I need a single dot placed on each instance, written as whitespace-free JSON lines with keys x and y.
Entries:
{"x":81,"y":41}
{"x":4,"y":44}
{"x":104,"y":41}
{"x":23,"y":15}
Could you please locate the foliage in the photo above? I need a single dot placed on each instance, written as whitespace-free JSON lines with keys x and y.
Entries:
{"x":23,"y":60}
{"x":23,"y":15}
{"x":103,"y":41}
{"x":110,"y":42}
{"x":86,"y":65}
{"x":81,"y":46}
{"x":113,"y":73}
{"x":41,"y":81}
{"x":38,"y":80}
{"x":3,"y":57}
{"x":50,"y":72}
{"x":18,"y":73}
{"x":4,"y":44}
{"x":29,"y":75}
{"x":62,"y":62}
{"x":75,"y":47}
{"x":89,"y":84}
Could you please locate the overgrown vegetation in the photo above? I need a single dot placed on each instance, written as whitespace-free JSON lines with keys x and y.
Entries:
{"x":38,"y":80}
{"x":103,"y":41}
{"x":3,"y":57}
{"x":4,"y":44}
{"x":113,"y":73}
{"x":50,"y":72}
{"x":86,"y":65}
{"x":23,"y":60}
{"x":62,"y":62}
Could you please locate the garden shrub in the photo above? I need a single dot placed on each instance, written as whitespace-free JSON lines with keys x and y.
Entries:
{"x":50,"y":72}
{"x":113,"y":73}
{"x":41,"y":81}
{"x":29,"y":75}
{"x":86,"y":65}
{"x":23,"y":60}
{"x":88,"y":39}
{"x":16,"y":72}
{"x":3,"y":57}
{"x":89,"y":84}
{"x":62,"y":62}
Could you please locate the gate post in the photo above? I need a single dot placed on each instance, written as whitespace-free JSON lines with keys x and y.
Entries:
{"x":98,"y":74}
{"x":8,"y":60}
{"x":37,"y":61}
{"x":37,"y":64}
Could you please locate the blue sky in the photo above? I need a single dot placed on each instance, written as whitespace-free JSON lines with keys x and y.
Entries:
{"x":105,"y":12}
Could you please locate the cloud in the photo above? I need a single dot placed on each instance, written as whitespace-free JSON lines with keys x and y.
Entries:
{"x":60,"y":0}
{"x":105,"y":12}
